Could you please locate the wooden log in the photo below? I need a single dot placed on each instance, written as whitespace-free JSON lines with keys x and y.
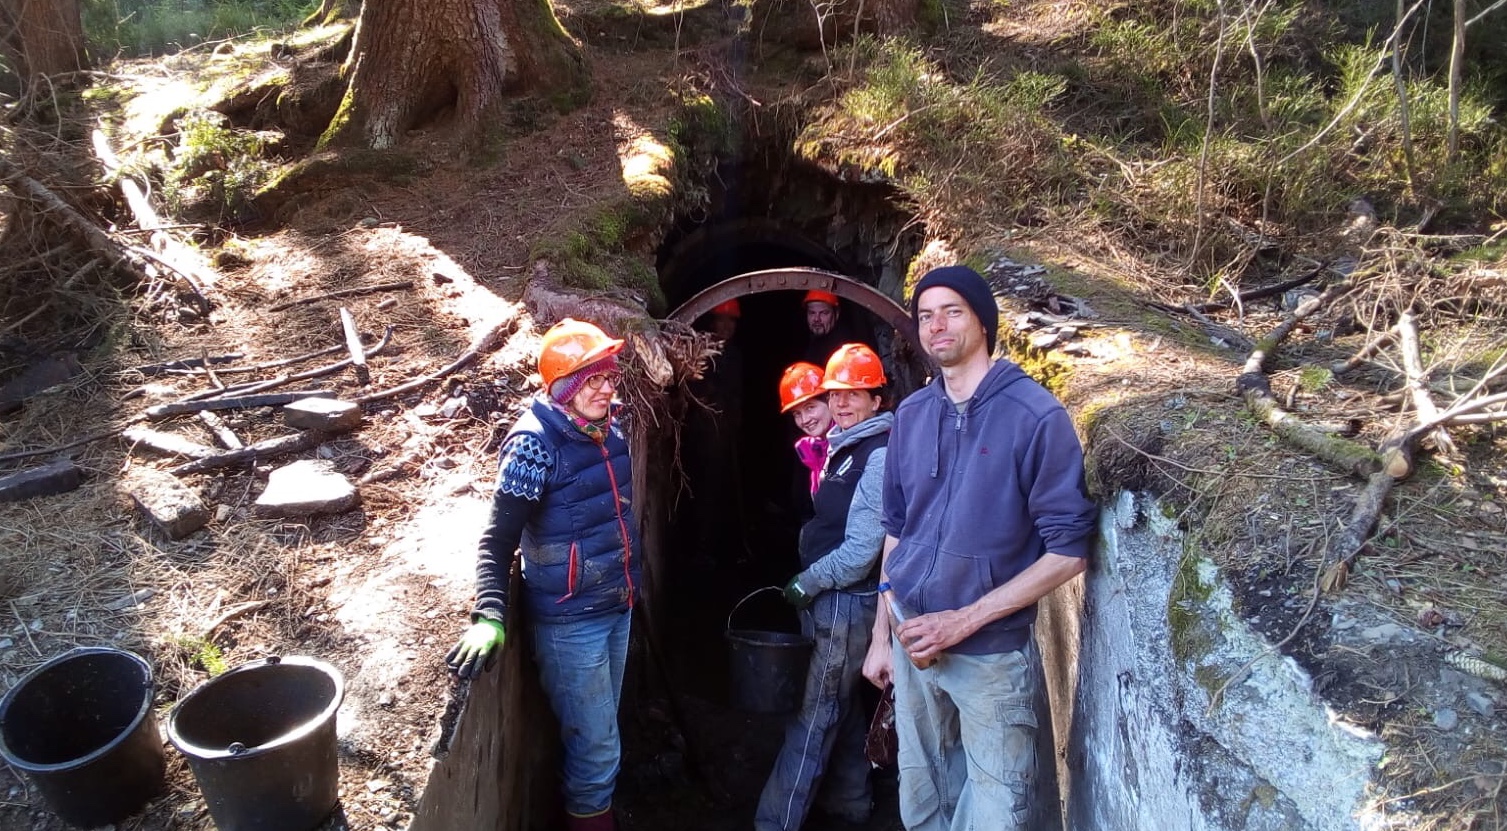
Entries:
{"x":1417,"y":381}
{"x":1350,"y":456}
{"x":350,"y":292}
{"x":271,"y":399}
{"x":220,"y":430}
{"x":166,"y":443}
{"x":251,"y":453}
{"x":353,"y":346}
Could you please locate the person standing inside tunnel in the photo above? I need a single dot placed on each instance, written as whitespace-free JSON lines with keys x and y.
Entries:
{"x":802,"y":396}
{"x":985,"y":512}
{"x":822,"y":763}
{"x":564,"y":492}
{"x":824,"y":327}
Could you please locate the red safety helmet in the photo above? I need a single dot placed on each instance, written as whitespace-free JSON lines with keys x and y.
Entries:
{"x":570,"y":345}
{"x":853,"y":367}
{"x":800,"y":383}
{"x":819,"y":296}
{"x":729,"y":308}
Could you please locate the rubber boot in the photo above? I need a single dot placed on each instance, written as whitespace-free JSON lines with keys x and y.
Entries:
{"x":596,"y":822}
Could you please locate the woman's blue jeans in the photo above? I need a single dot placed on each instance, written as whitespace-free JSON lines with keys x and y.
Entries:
{"x":581,"y":668}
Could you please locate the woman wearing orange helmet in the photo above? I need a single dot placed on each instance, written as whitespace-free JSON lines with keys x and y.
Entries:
{"x":821,"y":762}
{"x":802,"y":396}
{"x":564,"y":491}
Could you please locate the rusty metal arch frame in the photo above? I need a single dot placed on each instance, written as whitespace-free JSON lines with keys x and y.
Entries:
{"x":800,"y":279}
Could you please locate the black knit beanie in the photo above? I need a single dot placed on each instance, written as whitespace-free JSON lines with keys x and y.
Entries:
{"x":974,"y":290}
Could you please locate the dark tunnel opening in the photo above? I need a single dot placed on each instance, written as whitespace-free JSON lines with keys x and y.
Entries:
{"x":729,"y":494}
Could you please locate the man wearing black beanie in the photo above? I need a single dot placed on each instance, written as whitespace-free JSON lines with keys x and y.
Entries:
{"x":969,"y":285}
{"x":985,"y":512}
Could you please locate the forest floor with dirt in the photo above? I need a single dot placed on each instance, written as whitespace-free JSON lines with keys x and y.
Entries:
{"x":382,"y":591}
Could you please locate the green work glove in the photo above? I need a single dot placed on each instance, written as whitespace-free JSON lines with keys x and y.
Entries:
{"x":796,"y":596}
{"x":477,"y":649}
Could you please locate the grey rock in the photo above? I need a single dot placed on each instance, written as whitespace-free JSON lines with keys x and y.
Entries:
{"x":325,"y":414}
{"x":1446,"y":719}
{"x":305,"y":488}
{"x":1385,"y":632}
{"x":38,"y":378}
{"x":1480,"y":703}
{"x":50,"y":479}
{"x":168,"y":503}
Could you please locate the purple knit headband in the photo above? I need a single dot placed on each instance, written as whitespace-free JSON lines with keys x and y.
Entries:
{"x":566,"y":387}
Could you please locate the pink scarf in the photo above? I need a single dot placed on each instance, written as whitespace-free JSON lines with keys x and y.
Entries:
{"x":812,"y":451}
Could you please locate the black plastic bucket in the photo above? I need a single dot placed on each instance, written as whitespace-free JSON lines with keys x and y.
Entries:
{"x":767,"y":669}
{"x":81,"y":728}
{"x":260,"y":740}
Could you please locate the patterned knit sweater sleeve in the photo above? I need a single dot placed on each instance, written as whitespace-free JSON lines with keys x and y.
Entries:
{"x":525,"y":466}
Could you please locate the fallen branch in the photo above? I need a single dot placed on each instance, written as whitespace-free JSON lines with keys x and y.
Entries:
{"x":231,"y":614}
{"x":485,"y":342}
{"x":251,"y":453}
{"x":1417,"y":381}
{"x":1364,"y":354}
{"x":353,"y":346}
{"x":92,"y":437}
{"x":92,"y":235}
{"x":248,"y":387}
{"x":1350,"y":456}
{"x":1347,"y":546}
{"x":150,"y":370}
{"x":166,"y":443}
{"x":271,"y":399}
{"x":1258,"y":294}
{"x":351,"y":292}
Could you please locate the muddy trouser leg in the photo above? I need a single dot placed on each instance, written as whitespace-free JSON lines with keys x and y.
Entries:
{"x":581,"y":669}
{"x":845,"y":791}
{"x":833,"y":675}
{"x":996,"y":700}
{"x":932,"y":764}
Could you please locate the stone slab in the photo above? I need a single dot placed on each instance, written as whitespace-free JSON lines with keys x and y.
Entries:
{"x":172,"y":506}
{"x":306,"y":488}
{"x":325,"y":414}
{"x":50,"y":479}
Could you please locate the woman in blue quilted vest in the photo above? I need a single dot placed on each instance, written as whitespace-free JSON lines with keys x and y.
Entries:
{"x":564,"y":502}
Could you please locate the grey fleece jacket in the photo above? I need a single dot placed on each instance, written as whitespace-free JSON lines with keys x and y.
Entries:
{"x":852,"y":562}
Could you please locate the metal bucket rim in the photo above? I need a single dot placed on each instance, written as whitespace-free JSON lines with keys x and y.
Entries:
{"x":298,"y":733}
{"x":742,"y":636}
{"x":108,"y":747}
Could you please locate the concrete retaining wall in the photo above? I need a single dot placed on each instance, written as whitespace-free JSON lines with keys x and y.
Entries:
{"x":1145,"y":749}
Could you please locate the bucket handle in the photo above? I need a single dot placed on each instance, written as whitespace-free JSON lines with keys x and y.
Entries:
{"x":746,"y":597}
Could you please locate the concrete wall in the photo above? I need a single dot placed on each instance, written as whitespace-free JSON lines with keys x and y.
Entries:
{"x":1145,"y":750}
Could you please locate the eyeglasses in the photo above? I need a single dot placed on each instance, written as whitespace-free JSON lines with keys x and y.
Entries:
{"x":602,"y":379}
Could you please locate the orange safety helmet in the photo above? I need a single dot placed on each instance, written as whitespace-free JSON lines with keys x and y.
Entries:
{"x":729,"y":308}
{"x":819,"y":296}
{"x":853,"y":367}
{"x":800,"y":383}
{"x":570,"y":345}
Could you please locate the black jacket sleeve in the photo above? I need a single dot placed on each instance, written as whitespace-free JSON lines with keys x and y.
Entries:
{"x":494,"y":560}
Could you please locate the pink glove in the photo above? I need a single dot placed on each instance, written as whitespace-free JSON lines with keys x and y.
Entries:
{"x":812,"y":451}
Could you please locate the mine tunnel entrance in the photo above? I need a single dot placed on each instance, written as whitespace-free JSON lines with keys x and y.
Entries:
{"x":729,"y":493}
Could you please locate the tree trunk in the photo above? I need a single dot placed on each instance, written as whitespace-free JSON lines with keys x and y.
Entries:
{"x":42,"y":37}
{"x":415,"y":62}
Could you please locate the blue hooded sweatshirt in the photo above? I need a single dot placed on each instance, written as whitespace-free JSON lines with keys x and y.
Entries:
{"x":976,"y":494}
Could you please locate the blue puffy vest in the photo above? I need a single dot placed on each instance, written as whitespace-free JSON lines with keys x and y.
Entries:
{"x":580,"y":546}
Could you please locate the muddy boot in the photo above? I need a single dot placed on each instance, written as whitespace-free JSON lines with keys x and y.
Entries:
{"x":595,"y":822}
